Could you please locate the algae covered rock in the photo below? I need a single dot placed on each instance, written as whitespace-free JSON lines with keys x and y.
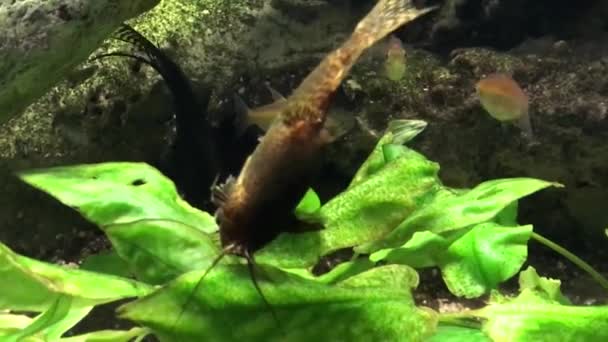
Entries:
{"x":42,"y":40}
{"x":118,"y":108}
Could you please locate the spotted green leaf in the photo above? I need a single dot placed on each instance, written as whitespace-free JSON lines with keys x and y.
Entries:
{"x":62,"y":295}
{"x":460,"y":210}
{"x":159,"y":235}
{"x":365,"y":212}
{"x":118,"y":193}
{"x":374,"y":305}
{"x":528,"y":318}
{"x":472,"y":261}
{"x":458,"y":334}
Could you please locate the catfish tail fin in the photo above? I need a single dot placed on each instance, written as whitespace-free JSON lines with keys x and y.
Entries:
{"x":387,"y":16}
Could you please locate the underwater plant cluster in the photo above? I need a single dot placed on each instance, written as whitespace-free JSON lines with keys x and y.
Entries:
{"x":229,"y":226}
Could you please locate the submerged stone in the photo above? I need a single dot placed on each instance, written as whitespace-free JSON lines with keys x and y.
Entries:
{"x":43,"y":40}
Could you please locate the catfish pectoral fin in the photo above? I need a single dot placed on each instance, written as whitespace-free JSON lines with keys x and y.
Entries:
{"x":241,"y":115}
{"x":337,"y":125}
{"x":220,"y":192}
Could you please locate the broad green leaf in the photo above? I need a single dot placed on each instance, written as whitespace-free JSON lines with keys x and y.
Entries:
{"x":397,"y":276}
{"x":309,"y":205}
{"x":11,"y":324}
{"x":61,"y":316}
{"x":462,"y":210}
{"x":348,"y":269}
{"x":377,"y":306}
{"x":159,"y":251}
{"x":521,"y":321}
{"x":337,"y":274}
{"x":108,"y":336}
{"x":392,"y":152}
{"x":13,"y":321}
{"x":65,"y":322}
{"x":5,"y":336}
{"x":424,"y":249}
{"x":50,"y":318}
{"x":544,"y":287}
{"x":365,"y":212}
{"x":374,"y":162}
{"x":472,"y":261}
{"x":159,"y":235}
{"x":398,"y":133}
{"x":508,"y":216}
{"x":31,"y":285}
{"x":106,"y":262}
{"x":448,"y":333}
{"x":120,"y":192}
{"x":483,"y":258}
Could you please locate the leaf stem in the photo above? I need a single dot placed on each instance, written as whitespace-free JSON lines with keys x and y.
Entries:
{"x":573,"y":258}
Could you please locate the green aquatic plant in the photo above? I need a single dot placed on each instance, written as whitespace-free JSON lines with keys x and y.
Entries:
{"x":396,"y":215}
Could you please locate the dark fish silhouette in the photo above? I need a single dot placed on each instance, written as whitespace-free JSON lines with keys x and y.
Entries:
{"x":193,"y":161}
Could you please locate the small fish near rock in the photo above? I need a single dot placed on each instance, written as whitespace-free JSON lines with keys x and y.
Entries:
{"x":505,"y":101}
{"x":394,"y":65}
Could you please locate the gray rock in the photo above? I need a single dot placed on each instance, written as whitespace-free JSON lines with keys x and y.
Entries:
{"x":41,"y":41}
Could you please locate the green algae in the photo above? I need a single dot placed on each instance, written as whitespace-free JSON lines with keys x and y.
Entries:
{"x":43,"y":46}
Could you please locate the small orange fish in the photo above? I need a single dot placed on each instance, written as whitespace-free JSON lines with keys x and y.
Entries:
{"x":504,"y":100}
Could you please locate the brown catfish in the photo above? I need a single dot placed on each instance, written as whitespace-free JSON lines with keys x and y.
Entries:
{"x":259,"y":204}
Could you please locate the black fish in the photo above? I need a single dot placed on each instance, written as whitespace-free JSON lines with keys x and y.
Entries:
{"x":193,"y":161}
